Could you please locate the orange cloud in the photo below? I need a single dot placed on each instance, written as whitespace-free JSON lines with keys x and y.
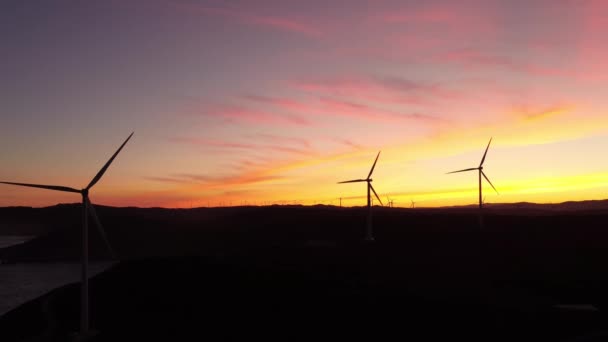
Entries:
{"x":542,"y":114}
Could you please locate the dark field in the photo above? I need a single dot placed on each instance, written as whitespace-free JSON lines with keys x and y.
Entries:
{"x":304,"y":273}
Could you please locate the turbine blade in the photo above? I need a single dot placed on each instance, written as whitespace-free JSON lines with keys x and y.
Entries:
{"x":373,"y":166}
{"x":486,"y":177}
{"x":486,"y":152}
{"x":353,"y":181}
{"x":469,"y":169}
{"x":378,"y":197}
{"x":105,"y":167}
{"x":48,"y":187}
{"x":102,"y":231}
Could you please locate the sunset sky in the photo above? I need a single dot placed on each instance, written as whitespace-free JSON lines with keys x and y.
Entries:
{"x":261,"y":102}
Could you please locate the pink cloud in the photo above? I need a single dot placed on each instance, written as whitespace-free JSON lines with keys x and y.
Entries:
{"x":331,"y":98}
{"x":335,"y":107}
{"x":229,"y":145}
{"x":591,"y":50}
{"x":385,"y":90}
{"x":328,"y":106}
{"x":475,"y":59}
{"x":425,"y":15}
{"x":453,"y":18}
{"x":281,"y":140}
{"x":276,"y":101}
{"x":241,"y":114}
{"x":210,"y":143}
{"x":274,"y":22}
{"x":348,"y":142}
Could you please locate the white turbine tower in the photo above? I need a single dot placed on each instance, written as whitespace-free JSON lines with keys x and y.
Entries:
{"x":369,"y":232}
{"x":481,"y":174}
{"x":87,"y":208}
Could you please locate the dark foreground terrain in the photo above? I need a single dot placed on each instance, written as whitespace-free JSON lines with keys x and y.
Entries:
{"x":303,"y":273}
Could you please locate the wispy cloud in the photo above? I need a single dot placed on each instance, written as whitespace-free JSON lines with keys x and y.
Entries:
{"x":285,"y":103}
{"x":240,"y":146}
{"x":347,"y":109}
{"x":529,"y":114}
{"x":238,"y":114}
{"x":422,"y":15}
{"x":393,"y":89}
{"x":348,"y":143}
{"x":332,"y":99}
{"x":472,"y":58}
{"x":456,"y":18}
{"x":282,"y":140}
{"x":215,"y":182}
{"x":167,"y":180}
{"x":280,"y":23}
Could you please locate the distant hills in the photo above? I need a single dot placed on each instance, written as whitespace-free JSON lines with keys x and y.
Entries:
{"x":236,"y":272}
{"x":152,"y":232}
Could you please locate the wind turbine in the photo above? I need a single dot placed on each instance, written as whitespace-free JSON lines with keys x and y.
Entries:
{"x":87,"y":209}
{"x":390,"y":202}
{"x":369,"y":232}
{"x":481,"y":174}
{"x":413,"y":203}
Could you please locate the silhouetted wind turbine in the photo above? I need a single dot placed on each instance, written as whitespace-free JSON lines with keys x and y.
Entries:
{"x":87,"y":208}
{"x":390,"y":202}
{"x":369,"y":233}
{"x":481,"y":173}
{"x":413,"y":203}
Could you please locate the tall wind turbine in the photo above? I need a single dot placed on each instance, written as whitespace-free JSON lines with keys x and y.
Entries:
{"x":481,"y":174}
{"x":413,"y":203}
{"x":87,"y":209}
{"x":369,"y":232}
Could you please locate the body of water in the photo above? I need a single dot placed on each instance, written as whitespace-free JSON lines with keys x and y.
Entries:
{"x":9,"y":240}
{"x":23,"y":282}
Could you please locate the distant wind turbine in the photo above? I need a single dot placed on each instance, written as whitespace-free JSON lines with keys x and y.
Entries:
{"x":481,"y":174}
{"x":87,"y":208}
{"x":369,"y":232}
{"x":413,"y":203}
{"x":390,"y":201}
